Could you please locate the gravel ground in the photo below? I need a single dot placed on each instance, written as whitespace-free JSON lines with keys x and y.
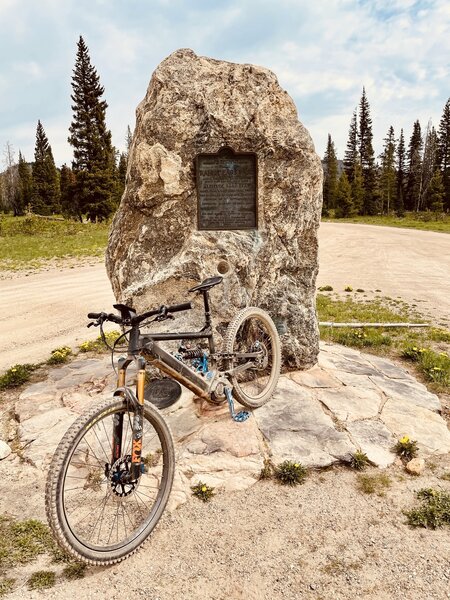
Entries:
{"x":323,"y":539}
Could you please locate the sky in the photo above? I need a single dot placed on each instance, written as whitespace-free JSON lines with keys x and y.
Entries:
{"x":322,"y":52}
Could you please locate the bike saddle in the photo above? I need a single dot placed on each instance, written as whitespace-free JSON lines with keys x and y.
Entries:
{"x":207,"y":284}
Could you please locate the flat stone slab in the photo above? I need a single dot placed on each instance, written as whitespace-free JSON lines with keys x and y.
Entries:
{"x":296,"y":428}
{"x":349,"y":401}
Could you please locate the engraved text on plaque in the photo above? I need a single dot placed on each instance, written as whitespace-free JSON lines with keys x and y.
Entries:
{"x":226,"y":188}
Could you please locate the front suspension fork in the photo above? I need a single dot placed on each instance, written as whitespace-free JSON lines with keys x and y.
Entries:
{"x":138,"y":419}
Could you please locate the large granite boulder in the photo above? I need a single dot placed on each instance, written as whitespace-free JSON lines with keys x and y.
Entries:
{"x":197,"y":105}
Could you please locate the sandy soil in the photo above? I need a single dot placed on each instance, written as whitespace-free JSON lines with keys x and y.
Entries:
{"x":324,"y":539}
{"x":409,"y":263}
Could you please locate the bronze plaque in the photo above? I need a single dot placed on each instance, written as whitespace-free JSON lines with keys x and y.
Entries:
{"x":226,"y":189}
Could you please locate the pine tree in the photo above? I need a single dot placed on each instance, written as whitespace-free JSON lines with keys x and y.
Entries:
{"x":414,"y":184}
{"x":68,"y":191}
{"x":330,"y":180}
{"x":344,"y":202}
{"x":388,"y":175}
{"x":25,"y":186}
{"x":443,"y":154}
{"x":351,"y":154}
{"x":437,"y":193}
{"x":367,"y":155}
{"x":46,"y":192}
{"x":357,"y":186}
{"x":91,"y":140}
{"x":401,"y":176}
{"x":429,"y":165}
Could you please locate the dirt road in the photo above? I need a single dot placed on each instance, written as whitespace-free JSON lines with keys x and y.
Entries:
{"x":46,"y":310}
{"x":409,"y":263}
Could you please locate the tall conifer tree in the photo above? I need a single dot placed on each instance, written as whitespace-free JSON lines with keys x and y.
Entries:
{"x":351,"y":154}
{"x":414,"y":184}
{"x":67,"y":181}
{"x":443,"y":155}
{"x":388,"y":175}
{"x":367,"y":156}
{"x":25,"y":186}
{"x":401,"y":176}
{"x":344,"y":204}
{"x":330,"y":180}
{"x":46,"y":192}
{"x":429,"y":165}
{"x":91,"y":140}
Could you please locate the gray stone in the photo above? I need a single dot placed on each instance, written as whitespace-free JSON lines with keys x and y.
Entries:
{"x":198,"y":105}
{"x":347,"y":365}
{"x":375,"y":439}
{"x":315,"y":378}
{"x":388,"y":368}
{"x":5,"y":450}
{"x":357,"y":381}
{"x":296,"y":428}
{"x":429,"y":429}
{"x":415,"y":392}
{"x":183,"y":423}
{"x":39,"y":392}
{"x":351,"y":404}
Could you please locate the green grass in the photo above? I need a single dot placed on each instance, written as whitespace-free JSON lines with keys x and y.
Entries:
{"x":29,"y":241}
{"x":433,"y":512}
{"x":6,"y":585}
{"x":22,"y":541}
{"x":290,"y":473}
{"x":411,"y":220}
{"x":41,"y":580}
{"x":427,"y":348}
{"x":16,"y":375}
{"x":374,"y":484}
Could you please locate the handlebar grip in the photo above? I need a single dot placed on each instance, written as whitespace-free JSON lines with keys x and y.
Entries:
{"x":114,"y":318}
{"x":93,"y":315}
{"x":179,"y":307}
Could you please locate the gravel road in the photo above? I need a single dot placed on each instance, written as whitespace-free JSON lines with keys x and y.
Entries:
{"x":45,"y":310}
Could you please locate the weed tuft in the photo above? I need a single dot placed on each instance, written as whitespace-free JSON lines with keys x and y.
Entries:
{"x":202,"y":491}
{"x":76,"y":570}
{"x":98,"y":344}
{"x":405,"y":448}
{"x":348,"y":288}
{"x":290,"y":473}
{"x":152,"y":458}
{"x":59,"y":355}
{"x":16,"y":375}
{"x":326,"y":288}
{"x":6,"y":586}
{"x":434,"y":510}
{"x":41,"y":580}
{"x":359,"y":460}
{"x":374,"y":484}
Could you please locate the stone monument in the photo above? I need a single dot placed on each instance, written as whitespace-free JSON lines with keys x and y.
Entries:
{"x":222,"y":179}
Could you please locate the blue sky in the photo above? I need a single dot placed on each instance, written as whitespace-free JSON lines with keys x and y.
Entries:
{"x":323,"y":53}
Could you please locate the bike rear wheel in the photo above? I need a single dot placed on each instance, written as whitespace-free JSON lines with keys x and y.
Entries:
{"x":93,"y":516}
{"x":253,"y":330}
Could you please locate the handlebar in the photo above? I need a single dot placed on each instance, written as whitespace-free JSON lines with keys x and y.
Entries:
{"x":162,"y":311}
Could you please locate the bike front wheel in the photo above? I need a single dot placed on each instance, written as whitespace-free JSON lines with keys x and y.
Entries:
{"x":255,"y":379}
{"x":93,"y":516}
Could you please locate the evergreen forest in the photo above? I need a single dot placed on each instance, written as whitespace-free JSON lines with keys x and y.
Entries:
{"x":413,"y":176}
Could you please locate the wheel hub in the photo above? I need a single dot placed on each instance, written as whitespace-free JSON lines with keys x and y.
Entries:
{"x":117,"y":473}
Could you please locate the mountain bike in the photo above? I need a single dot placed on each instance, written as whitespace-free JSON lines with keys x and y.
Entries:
{"x":111,"y":475}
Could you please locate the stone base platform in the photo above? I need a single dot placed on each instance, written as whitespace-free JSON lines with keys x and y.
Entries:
{"x":349,"y":401}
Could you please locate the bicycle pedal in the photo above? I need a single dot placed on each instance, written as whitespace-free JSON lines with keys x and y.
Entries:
{"x":239,"y":417}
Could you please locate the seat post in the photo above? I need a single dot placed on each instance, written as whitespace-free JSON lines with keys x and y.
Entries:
{"x":207,"y":308}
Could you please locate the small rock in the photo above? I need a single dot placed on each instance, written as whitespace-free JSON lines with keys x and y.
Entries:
{"x":5,"y":450}
{"x":416,"y":466}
